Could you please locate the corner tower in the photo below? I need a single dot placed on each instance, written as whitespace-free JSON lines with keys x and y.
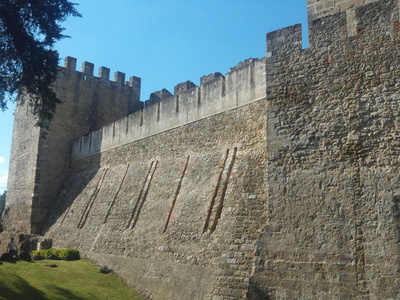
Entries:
{"x":40,"y":163}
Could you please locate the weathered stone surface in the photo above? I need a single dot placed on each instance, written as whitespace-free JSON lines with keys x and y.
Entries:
{"x":334,"y":155}
{"x":27,"y":242}
{"x":44,"y":244}
{"x":279,"y":180}
{"x":39,"y":172}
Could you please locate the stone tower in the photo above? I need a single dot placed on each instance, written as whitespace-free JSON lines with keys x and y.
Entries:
{"x":40,"y":163}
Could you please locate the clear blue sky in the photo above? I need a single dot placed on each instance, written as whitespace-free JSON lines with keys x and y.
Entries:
{"x":166,"y":42}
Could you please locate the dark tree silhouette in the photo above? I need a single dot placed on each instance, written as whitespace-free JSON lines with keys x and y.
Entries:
{"x":28,"y":31}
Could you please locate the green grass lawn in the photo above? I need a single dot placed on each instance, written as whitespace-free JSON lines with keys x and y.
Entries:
{"x":71,"y":280}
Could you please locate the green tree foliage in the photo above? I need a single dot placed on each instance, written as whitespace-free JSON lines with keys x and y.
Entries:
{"x":2,"y":202}
{"x":28,"y":31}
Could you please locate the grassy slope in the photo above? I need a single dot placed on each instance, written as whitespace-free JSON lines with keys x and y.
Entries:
{"x":71,"y":280}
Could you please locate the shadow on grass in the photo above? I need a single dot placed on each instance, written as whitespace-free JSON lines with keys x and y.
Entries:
{"x":63,"y":294}
{"x":20,"y":289}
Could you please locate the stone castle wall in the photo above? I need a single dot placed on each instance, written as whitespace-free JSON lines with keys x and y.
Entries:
{"x":39,"y":163}
{"x":183,"y":212}
{"x":244,"y":84}
{"x":149,"y":191}
{"x":278,"y":181}
{"x":333,"y":163}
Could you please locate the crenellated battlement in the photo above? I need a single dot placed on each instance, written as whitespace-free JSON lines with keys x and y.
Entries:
{"x":288,"y":40}
{"x":244,"y":84}
{"x":103,"y":73}
{"x":342,"y":14}
{"x":332,"y":21}
{"x":105,"y":99}
{"x":321,"y":8}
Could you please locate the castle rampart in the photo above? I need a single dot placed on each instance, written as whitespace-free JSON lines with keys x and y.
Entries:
{"x":242,"y":85}
{"x":279,"y":180}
